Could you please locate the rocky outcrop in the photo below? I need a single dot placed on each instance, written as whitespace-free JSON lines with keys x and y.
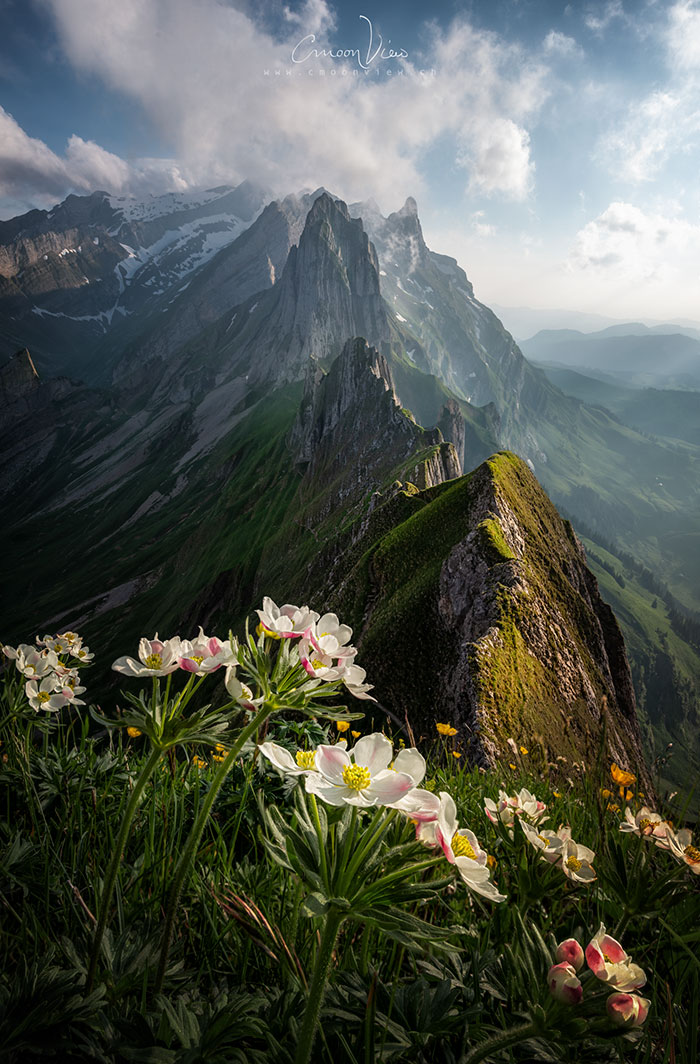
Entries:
{"x":351,"y":435}
{"x":452,"y":427}
{"x":514,"y":640}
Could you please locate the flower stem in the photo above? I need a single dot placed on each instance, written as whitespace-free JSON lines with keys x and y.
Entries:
{"x":332,"y":926}
{"x":500,"y":1041}
{"x":187,"y":856}
{"x":321,"y":842}
{"x":113,"y":869}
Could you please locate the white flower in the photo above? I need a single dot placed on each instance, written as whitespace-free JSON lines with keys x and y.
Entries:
{"x":522,"y":804}
{"x":240,"y":692}
{"x":156,"y":658}
{"x":31,"y":662}
{"x":44,"y":695}
{"x":302,"y":763}
{"x":647,"y":823}
{"x":681,"y":846}
{"x":289,"y":622}
{"x":329,"y":636}
{"x":461,"y":848}
{"x":419,"y":805}
{"x":204,"y":654}
{"x":608,"y":961}
{"x":576,"y":859}
{"x":354,"y":679}
{"x":549,"y":844}
{"x":360,"y":777}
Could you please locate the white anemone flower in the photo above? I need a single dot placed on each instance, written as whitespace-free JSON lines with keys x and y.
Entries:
{"x":550,"y":845}
{"x":681,"y":846}
{"x":329,"y":636}
{"x":647,"y":823}
{"x":239,"y":691}
{"x":156,"y":658}
{"x":421,"y":806}
{"x":204,"y":654}
{"x":576,"y":860}
{"x":45,"y":695}
{"x":461,"y":848}
{"x":299,"y":764}
{"x":354,"y":679}
{"x":359,"y":777}
{"x":608,"y":961}
{"x":32,"y":663}
{"x":286,"y":622}
{"x":523,"y":804}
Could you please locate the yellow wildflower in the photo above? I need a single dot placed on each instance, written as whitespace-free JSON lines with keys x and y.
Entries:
{"x":613,"y":807}
{"x":456,"y":753}
{"x":133,"y":733}
{"x":512,"y":766}
{"x":446,"y":729}
{"x":620,"y":776}
{"x":556,"y":794}
{"x":491,"y":861}
{"x":342,"y":725}
{"x":523,"y":750}
{"x":356,"y":734}
{"x":606,"y":793}
{"x":199,"y":762}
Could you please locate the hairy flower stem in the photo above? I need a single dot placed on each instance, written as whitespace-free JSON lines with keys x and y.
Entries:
{"x":112,"y":871}
{"x":329,"y":936}
{"x":321,"y":842}
{"x":186,"y":858}
{"x":485,"y":1050}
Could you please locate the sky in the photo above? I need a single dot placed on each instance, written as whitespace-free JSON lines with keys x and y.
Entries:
{"x":553,"y":148}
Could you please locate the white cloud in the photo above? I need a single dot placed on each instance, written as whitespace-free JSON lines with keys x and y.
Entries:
{"x":630,"y":245}
{"x":556,"y":43}
{"x":32,"y":174}
{"x":197,"y":70}
{"x":683,"y":35}
{"x":597,"y":20}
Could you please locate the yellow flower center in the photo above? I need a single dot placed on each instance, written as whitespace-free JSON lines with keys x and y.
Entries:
{"x":154,"y":661}
{"x":199,"y":658}
{"x":543,"y":840}
{"x":644,"y":824}
{"x":316,"y":664}
{"x":43,"y":696}
{"x":573,"y":863}
{"x":305,"y":758}
{"x":461,"y":847}
{"x":357,"y":777}
{"x":692,"y":853}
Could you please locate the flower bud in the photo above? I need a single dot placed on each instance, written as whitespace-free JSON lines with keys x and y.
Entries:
{"x":627,"y":1010}
{"x":570,"y":952}
{"x":564,"y":984}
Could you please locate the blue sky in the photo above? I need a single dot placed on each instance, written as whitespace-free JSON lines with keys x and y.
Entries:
{"x":553,"y":148}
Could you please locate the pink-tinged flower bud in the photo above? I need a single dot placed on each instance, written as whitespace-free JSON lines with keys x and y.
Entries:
{"x":627,"y":1010}
{"x":570,"y":952}
{"x":564,"y":984}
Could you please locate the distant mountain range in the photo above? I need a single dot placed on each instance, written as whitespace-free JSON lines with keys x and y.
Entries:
{"x":224,"y":398}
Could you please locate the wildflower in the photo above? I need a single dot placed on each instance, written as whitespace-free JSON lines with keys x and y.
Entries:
{"x":361,"y":776}
{"x":204,"y":654}
{"x":680,"y":845}
{"x":461,"y":848}
{"x":240,"y":692}
{"x":303,"y":762}
{"x":356,"y":734}
{"x":342,"y":725}
{"x":32,"y":663}
{"x":576,"y":859}
{"x":549,"y":844}
{"x":456,"y":753}
{"x":44,"y":695}
{"x":512,"y":767}
{"x":627,"y":1010}
{"x":421,"y":806}
{"x":133,"y":733}
{"x":156,"y":658}
{"x":522,"y":804}
{"x":199,"y":762}
{"x":571,"y":952}
{"x":556,"y":794}
{"x":523,"y":751}
{"x":646,"y":823}
{"x":329,"y":636}
{"x":564,"y":984}
{"x":621,"y":777}
{"x":287,"y":622}
{"x":612,"y":807}
{"x":446,"y":729}
{"x":609,"y":962}
{"x":607,"y":794}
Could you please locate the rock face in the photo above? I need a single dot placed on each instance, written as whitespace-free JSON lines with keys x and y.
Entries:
{"x":514,"y":640}
{"x":351,"y":434}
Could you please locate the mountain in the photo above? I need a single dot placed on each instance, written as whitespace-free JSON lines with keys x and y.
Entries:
{"x":633,"y":354}
{"x":68,"y":275}
{"x":322,"y":364}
